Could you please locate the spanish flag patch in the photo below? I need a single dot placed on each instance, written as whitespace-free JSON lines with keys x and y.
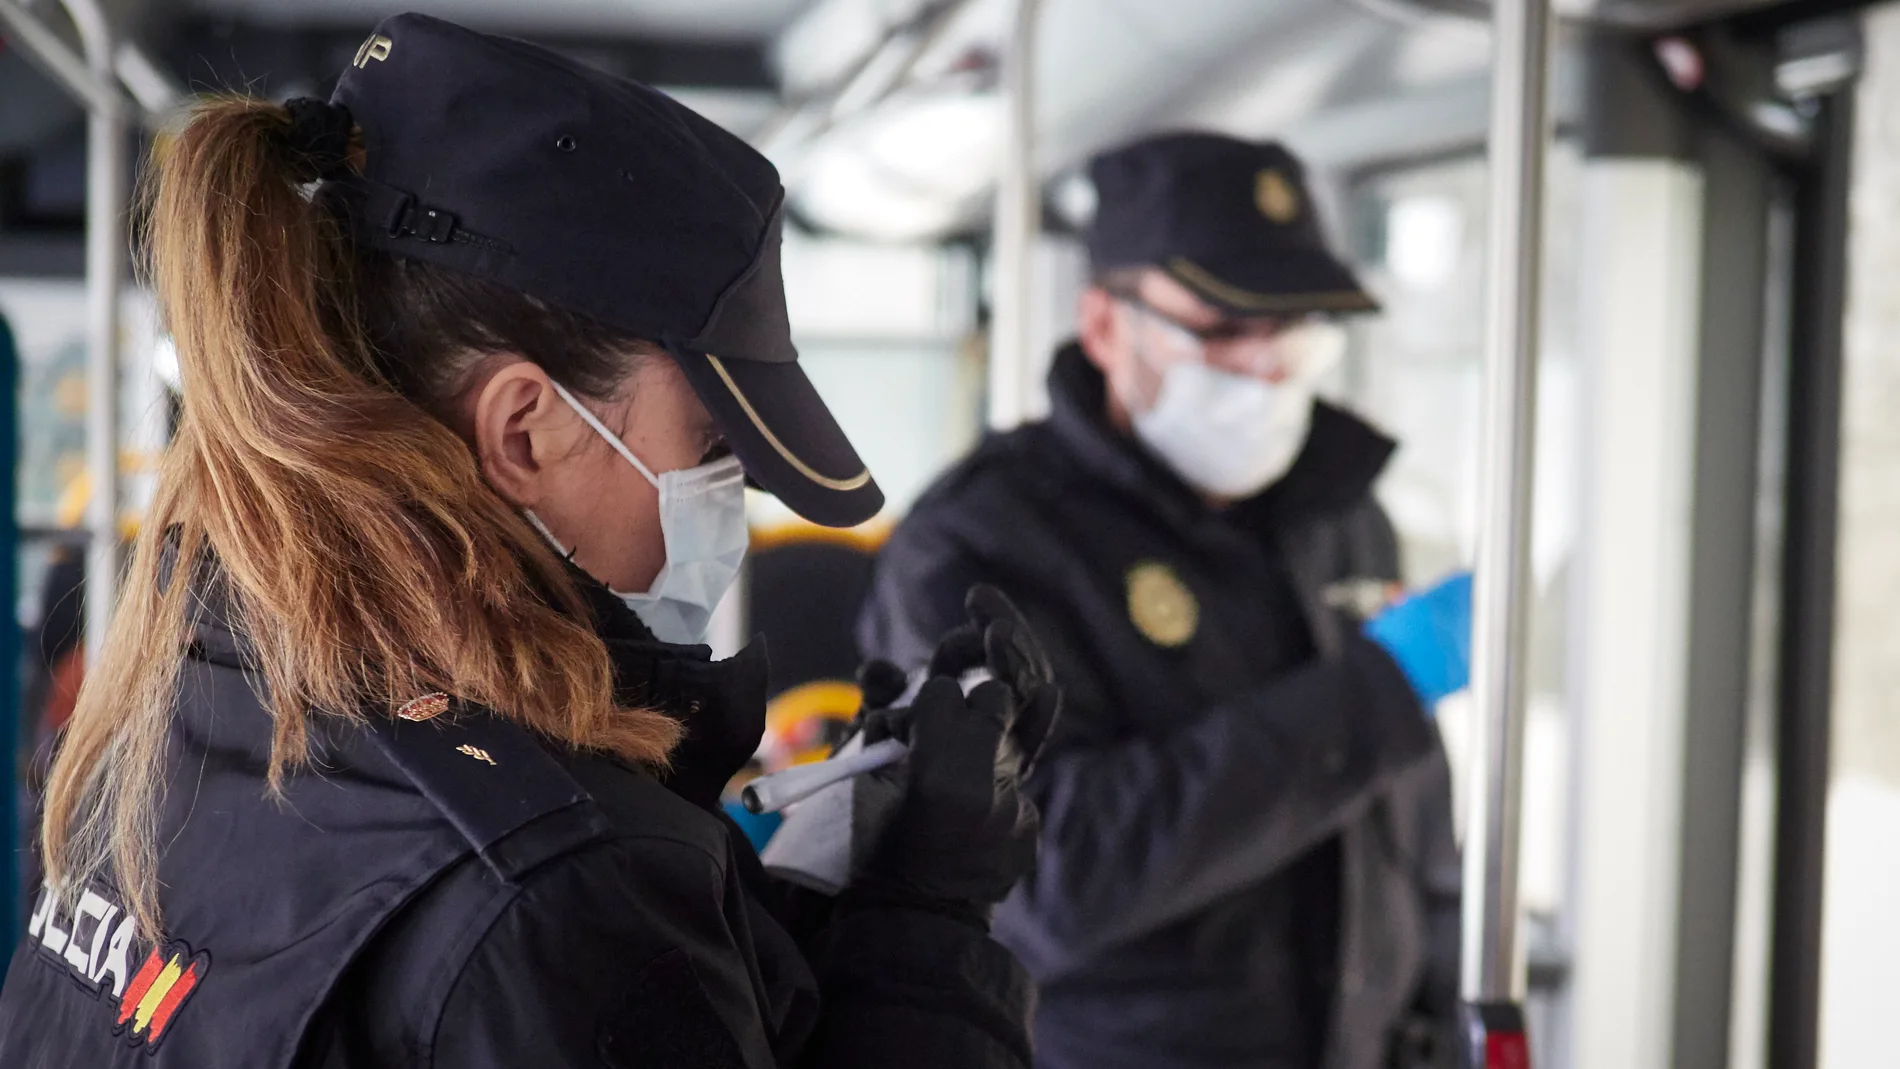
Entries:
{"x":92,"y":938}
{"x":169,"y":975}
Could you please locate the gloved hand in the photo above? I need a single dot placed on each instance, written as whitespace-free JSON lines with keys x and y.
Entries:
{"x":880,"y":684}
{"x":998,"y":641}
{"x":963,"y":832}
{"x":1429,"y":635}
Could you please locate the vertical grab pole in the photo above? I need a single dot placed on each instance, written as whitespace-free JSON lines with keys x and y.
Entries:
{"x":1809,"y":582}
{"x":1018,"y":220}
{"x":106,"y":256}
{"x":13,"y":834}
{"x":1493,"y":964}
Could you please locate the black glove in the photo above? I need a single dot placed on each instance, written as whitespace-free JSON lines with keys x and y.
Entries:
{"x":880,"y":684}
{"x":999,"y":640}
{"x":963,"y":834}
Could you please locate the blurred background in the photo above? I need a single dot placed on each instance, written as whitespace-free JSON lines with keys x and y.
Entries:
{"x":1712,"y":809}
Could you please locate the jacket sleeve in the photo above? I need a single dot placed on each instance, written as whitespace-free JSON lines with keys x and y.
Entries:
{"x":916,"y":598}
{"x":1139,"y":832}
{"x":901,"y":982}
{"x":908,"y":986}
{"x":1144,"y":831}
{"x":610,"y":959}
{"x":1439,"y":876}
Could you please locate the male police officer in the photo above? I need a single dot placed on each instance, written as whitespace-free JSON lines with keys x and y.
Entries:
{"x":1247,"y":855}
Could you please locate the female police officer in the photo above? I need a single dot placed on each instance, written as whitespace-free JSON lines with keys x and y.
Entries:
{"x":379,"y":766}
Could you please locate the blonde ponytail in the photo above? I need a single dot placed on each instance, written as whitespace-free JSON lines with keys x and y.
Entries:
{"x":363,"y":554}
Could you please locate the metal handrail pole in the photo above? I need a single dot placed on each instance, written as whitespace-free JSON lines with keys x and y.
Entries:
{"x":62,"y":64}
{"x":868,"y":81}
{"x":1493,"y":962}
{"x":1018,"y":221}
{"x":106,"y":257}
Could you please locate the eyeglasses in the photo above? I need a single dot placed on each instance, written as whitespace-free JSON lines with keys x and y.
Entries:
{"x":1223,"y":330}
{"x":1274,"y":350}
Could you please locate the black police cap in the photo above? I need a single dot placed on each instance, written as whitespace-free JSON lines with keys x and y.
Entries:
{"x":1231,"y":220}
{"x":606,"y":197}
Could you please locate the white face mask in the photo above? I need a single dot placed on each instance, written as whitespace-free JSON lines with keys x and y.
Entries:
{"x":1233,"y":435}
{"x":702,"y":519}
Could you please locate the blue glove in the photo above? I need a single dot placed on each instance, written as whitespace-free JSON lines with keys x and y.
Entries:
{"x":1429,"y":635}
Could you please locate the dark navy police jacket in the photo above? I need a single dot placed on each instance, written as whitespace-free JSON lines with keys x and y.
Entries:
{"x":456,"y":892}
{"x":1247,"y":854}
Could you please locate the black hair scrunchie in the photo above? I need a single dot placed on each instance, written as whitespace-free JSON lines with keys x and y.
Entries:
{"x":319,"y":137}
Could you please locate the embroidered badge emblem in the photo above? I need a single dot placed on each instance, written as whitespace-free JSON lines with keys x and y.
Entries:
{"x":168,"y":978}
{"x":427,"y":707}
{"x":1275,"y":196}
{"x":1162,"y":607}
{"x":376,"y":47}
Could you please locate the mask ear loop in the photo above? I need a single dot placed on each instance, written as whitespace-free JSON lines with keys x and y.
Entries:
{"x":601,"y":429}
{"x":566,"y":553}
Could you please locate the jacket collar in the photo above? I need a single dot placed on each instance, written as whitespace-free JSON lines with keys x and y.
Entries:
{"x":721,"y":703}
{"x":1342,"y":457}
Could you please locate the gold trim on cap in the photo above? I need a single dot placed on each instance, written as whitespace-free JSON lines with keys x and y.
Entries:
{"x":853,"y":483}
{"x":867,"y":537}
{"x":1204,"y":280}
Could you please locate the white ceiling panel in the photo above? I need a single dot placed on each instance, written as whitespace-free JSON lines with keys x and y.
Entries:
{"x":686,"y":20}
{"x":742,"y":111}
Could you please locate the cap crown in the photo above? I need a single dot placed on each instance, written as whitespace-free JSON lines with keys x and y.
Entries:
{"x":1232,"y":220}
{"x":589,"y":191}
{"x":1190,"y":193}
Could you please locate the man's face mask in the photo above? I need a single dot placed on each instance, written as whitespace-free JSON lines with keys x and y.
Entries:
{"x":702,"y":519}
{"x":1229,"y":427}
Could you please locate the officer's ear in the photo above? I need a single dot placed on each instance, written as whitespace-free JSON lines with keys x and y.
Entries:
{"x":1102,"y":330}
{"x":518,"y":426}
